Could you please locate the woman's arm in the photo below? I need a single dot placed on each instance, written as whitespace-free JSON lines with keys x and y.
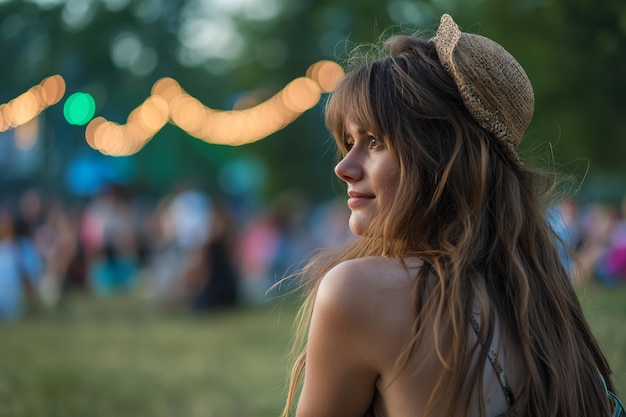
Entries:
{"x":341,"y":369}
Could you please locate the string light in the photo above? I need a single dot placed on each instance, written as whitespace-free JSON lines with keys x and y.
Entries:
{"x":169,"y":102}
{"x":30,"y":104}
{"x":326,"y":74}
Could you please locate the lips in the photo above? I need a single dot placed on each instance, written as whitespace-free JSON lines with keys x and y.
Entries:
{"x":357,"y":199}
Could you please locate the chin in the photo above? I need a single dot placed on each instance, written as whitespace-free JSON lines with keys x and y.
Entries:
{"x":356,"y":232}
{"x":356,"y":229}
{"x":358,"y":226}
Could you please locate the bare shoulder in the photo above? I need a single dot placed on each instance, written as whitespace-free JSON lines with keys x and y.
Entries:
{"x":361,"y":319}
{"x":371,"y":273}
{"x":362,"y":286}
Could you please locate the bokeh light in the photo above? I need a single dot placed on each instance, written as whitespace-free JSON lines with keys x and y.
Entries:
{"x":326,"y":74}
{"x":79,"y":108}
{"x":170,"y":103}
{"x":30,"y":104}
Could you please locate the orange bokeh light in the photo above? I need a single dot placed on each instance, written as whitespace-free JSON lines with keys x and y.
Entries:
{"x":168,"y":102}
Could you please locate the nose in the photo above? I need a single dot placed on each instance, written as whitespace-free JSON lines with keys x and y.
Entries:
{"x":348,"y":169}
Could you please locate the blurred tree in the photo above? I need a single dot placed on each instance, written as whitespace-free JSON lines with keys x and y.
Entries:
{"x":572,"y":51}
{"x":221,"y":50}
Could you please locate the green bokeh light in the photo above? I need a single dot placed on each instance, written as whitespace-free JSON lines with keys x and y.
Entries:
{"x":79,"y":108}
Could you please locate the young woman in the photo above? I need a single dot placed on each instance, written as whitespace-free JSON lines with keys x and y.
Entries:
{"x":451,"y":300}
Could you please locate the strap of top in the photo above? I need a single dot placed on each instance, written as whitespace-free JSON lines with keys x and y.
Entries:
{"x":619,"y":410}
{"x":499,"y":370}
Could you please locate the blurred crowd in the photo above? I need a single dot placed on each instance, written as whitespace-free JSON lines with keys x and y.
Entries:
{"x":194,"y":251}
{"x":186,"y":250}
{"x":592,"y":240}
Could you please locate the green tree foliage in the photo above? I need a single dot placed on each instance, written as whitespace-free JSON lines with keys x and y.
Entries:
{"x":571,"y":50}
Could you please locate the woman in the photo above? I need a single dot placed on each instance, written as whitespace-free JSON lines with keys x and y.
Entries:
{"x":451,"y":300}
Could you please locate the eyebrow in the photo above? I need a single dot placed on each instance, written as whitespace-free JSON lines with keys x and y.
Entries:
{"x":360,"y":131}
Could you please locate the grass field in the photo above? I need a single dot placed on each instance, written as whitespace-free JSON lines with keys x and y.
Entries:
{"x":117,"y":357}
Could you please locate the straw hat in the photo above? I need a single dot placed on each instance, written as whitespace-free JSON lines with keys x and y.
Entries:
{"x":493,"y":85}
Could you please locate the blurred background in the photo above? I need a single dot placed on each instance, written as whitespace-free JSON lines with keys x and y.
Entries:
{"x":163,"y":163}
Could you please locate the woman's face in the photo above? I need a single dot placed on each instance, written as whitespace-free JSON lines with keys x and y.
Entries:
{"x":371,"y":173}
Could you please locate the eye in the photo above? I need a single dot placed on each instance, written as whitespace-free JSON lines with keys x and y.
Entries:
{"x":348,"y":142}
{"x":374,"y":142}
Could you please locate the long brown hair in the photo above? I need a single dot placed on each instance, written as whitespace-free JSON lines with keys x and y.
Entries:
{"x":476,"y":216}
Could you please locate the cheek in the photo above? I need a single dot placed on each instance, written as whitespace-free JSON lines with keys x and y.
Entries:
{"x":390,"y":178}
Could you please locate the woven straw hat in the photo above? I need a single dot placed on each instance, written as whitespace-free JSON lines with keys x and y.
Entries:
{"x":493,"y":85}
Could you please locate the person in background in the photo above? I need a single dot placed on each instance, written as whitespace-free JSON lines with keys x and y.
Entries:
{"x":610,"y":267}
{"x":451,"y":299}
{"x":212,"y":280}
{"x":21,"y":267}
{"x":563,"y":218}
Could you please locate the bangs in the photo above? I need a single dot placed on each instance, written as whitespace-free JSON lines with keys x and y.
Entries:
{"x":352,"y":100}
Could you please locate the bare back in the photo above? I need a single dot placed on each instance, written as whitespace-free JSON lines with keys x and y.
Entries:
{"x":362,"y":321}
